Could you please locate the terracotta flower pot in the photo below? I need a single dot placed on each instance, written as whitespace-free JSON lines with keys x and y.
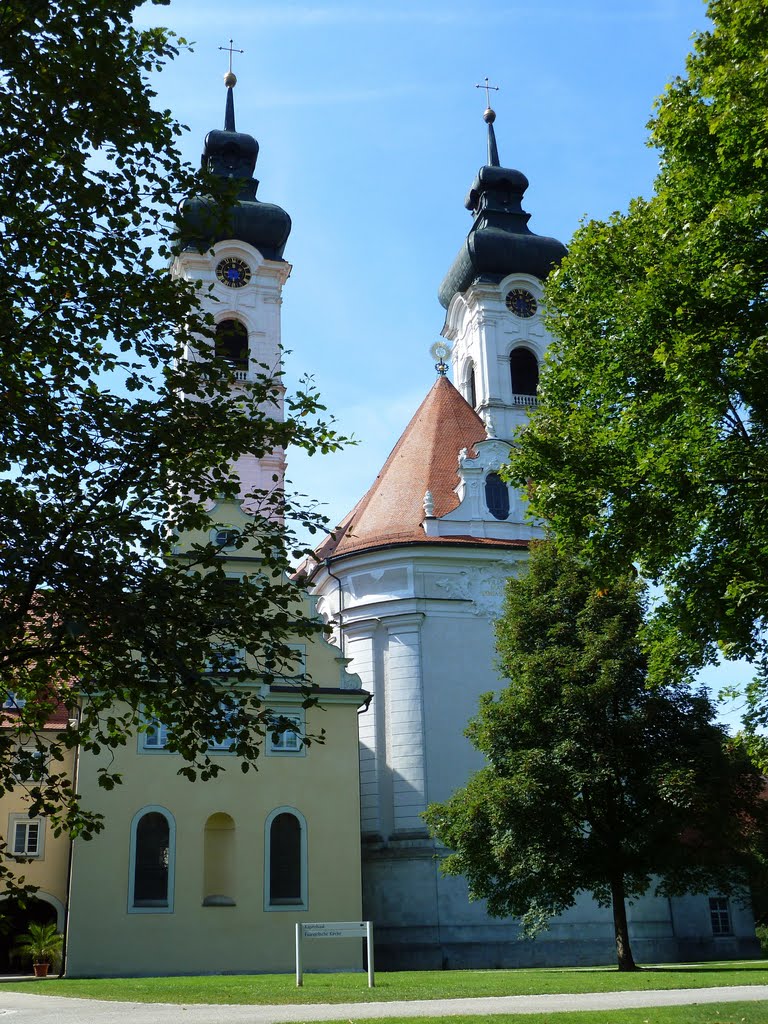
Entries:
{"x":41,"y":970}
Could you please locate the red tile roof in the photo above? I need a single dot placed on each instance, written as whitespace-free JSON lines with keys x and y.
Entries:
{"x":425,"y":458}
{"x":57,"y":721}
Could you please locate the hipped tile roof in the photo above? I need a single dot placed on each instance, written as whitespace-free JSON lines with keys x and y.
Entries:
{"x":424,"y":459}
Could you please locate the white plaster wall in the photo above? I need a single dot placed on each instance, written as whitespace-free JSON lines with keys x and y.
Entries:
{"x":483,"y":332}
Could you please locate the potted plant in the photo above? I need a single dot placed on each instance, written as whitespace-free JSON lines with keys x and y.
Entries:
{"x":43,"y":944}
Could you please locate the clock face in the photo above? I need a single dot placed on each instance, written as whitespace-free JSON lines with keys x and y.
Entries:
{"x":233,"y":272}
{"x":521,"y":303}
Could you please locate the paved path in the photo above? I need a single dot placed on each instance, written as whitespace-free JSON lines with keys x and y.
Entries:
{"x":20,"y":1008}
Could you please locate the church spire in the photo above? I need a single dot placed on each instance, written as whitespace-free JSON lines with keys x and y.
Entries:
{"x":230,"y":80}
{"x":232,"y":156}
{"x":493,"y":152}
{"x":499,"y":242}
{"x":229,"y":111}
{"x":489,"y":117}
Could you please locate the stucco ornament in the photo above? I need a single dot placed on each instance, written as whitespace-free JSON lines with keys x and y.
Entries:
{"x":489,"y":590}
{"x":457,"y":586}
{"x":483,"y":587}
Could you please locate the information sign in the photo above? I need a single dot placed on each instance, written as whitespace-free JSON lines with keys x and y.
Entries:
{"x":333,"y":930}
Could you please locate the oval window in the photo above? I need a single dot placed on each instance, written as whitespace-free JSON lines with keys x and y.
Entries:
{"x":497,"y":496}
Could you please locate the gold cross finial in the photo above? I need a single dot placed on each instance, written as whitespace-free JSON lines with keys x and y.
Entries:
{"x":487,"y":91}
{"x":231,"y":49}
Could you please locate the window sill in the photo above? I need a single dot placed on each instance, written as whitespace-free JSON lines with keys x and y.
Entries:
{"x":218,"y":901}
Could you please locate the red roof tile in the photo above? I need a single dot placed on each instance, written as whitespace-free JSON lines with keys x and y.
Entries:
{"x":55,"y":723}
{"x":425,"y":458}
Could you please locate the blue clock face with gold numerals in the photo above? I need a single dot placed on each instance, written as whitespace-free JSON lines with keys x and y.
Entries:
{"x":520,"y":302}
{"x":233,"y":272}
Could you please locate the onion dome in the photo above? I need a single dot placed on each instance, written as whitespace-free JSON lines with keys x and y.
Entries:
{"x":232,"y":155}
{"x":499,"y":242}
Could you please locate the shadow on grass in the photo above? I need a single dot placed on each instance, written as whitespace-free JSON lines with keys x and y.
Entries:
{"x":697,"y":968}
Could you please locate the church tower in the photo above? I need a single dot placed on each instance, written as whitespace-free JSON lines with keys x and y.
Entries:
{"x":492,"y":295}
{"x":235,"y":253}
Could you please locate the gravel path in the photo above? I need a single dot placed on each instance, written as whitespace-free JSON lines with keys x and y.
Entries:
{"x":20,"y":1008}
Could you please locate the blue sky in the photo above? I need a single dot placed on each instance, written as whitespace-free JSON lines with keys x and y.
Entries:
{"x":371,"y":132}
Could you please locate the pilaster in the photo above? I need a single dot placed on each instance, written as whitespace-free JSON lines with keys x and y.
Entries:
{"x":360,"y":646}
{"x":405,"y":721}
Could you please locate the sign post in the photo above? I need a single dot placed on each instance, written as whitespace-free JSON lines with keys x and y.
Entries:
{"x":334,"y":930}
{"x":299,"y":966}
{"x":369,"y":949}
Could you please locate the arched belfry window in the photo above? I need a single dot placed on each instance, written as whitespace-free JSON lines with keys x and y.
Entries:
{"x":497,"y":496}
{"x":232,"y":343}
{"x":285,"y":877}
{"x":150,"y":885}
{"x":524,"y":367}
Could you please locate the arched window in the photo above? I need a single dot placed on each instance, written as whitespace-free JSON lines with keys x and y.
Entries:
{"x":524,"y":367}
{"x":219,"y":861}
{"x":232,"y":343}
{"x":497,"y":496}
{"x":285,"y":877}
{"x":150,"y":885}
{"x":471,"y":390}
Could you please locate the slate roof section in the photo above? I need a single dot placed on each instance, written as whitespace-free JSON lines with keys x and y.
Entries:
{"x":232,"y":156}
{"x":425,"y":458}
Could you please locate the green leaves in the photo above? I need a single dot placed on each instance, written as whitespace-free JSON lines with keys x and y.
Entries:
{"x":113,"y":446}
{"x":649,"y":445}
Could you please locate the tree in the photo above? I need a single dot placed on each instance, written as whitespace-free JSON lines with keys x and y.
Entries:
{"x":112,"y":445}
{"x":593,"y":782}
{"x":650,"y":443}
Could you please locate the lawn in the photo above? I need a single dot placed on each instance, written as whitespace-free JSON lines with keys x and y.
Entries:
{"x":343,"y":988}
{"x":714,"y":1013}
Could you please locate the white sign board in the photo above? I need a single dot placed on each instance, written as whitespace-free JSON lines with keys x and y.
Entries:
{"x":334,"y":930}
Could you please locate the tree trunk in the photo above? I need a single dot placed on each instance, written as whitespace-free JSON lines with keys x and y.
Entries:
{"x":624,"y":956}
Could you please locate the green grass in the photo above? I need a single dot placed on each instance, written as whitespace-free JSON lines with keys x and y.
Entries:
{"x":714,"y":1013}
{"x":343,"y":988}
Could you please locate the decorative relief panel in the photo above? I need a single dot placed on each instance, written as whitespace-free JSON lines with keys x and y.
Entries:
{"x":456,"y":586}
{"x":394,"y":581}
{"x":484,"y":587}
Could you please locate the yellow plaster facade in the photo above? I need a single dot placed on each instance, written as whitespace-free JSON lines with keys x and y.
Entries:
{"x":46,"y":865}
{"x":108,"y":936}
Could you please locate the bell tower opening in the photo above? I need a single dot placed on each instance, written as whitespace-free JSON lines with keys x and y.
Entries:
{"x":232,"y":343}
{"x":524,"y":368}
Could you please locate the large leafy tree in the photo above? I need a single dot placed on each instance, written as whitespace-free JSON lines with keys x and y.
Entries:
{"x":112,"y":446}
{"x":593,"y":781}
{"x":650,"y":444}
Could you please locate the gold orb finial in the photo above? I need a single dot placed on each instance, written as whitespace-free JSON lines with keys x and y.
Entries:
{"x":489,"y":116}
{"x":230,"y":79}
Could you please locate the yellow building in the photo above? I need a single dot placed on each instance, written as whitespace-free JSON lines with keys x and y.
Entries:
{"x":212,"y":877}
{"x":42,"y":858}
